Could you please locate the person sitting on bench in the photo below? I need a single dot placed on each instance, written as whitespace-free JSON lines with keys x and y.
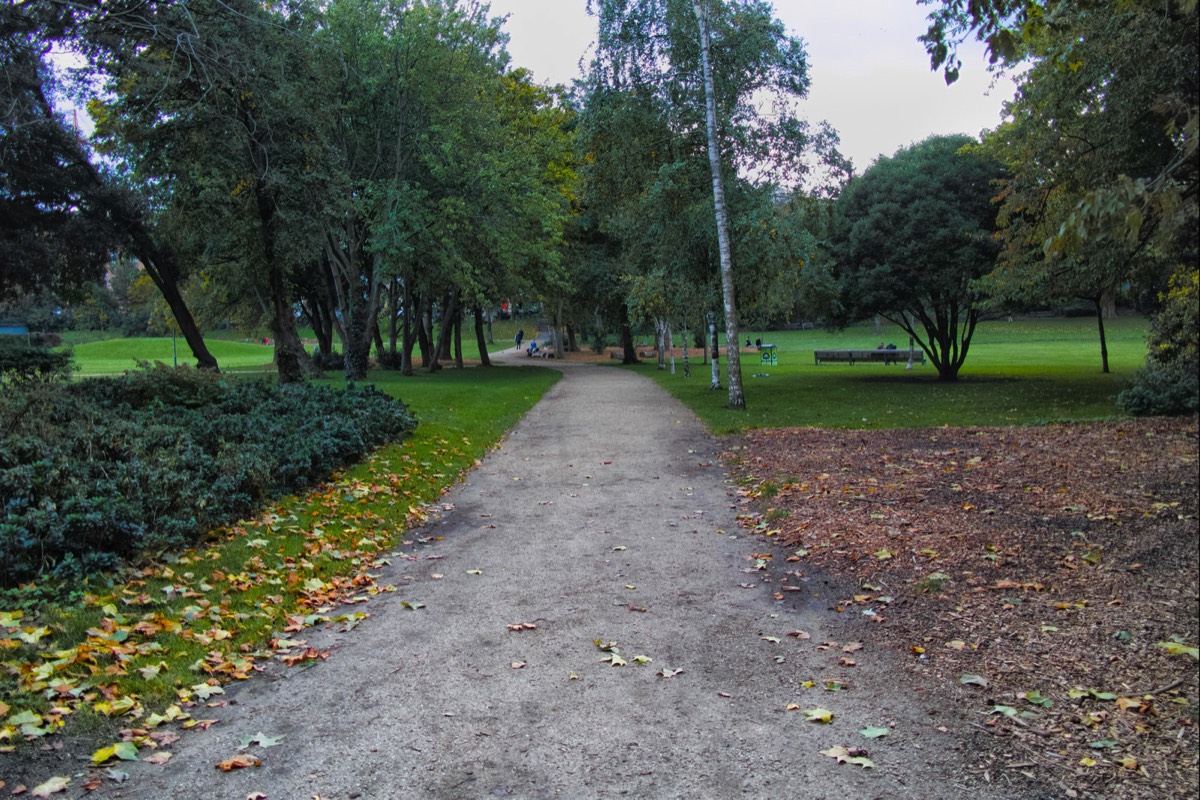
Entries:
{"x":533,"y":348}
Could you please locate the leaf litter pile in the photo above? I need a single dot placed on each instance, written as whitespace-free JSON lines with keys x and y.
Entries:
{"x":1045,"y":578}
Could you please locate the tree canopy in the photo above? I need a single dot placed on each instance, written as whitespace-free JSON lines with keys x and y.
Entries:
{"x":913,"y":235}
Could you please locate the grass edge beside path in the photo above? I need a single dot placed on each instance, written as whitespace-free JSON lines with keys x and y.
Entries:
{"x":136,"y":655}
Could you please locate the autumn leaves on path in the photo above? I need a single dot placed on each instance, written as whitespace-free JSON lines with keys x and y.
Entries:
{"x":584,"y":618}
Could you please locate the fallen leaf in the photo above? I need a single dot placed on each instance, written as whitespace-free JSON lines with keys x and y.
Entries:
{"x":668,"y":673}
{"x":55,"y":785}
{"x":240,"y":761}
{"x":126,"y":751}
{"x":161,"y":757}
{"x":844,"y":756}
{"x":518,"y":665}
{"x":874,"y":732}
{"x":822,"y":715}
{"x":852,"y":647}
{"x":262,"y":740}
{"x":971,"y":679}
{"x":800,"y":634}
{"x":1179,"y":649}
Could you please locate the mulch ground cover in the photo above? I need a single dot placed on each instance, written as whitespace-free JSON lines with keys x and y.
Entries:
{"x":1043,"y":577}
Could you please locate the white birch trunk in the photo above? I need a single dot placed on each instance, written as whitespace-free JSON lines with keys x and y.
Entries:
{"x":671,"y":347}
{"x":737,"y":399}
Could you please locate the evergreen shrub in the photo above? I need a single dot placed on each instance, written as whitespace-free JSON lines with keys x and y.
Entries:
{"x":101,"y":472}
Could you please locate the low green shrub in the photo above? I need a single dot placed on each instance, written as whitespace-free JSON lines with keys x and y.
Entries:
{"x":1162,"y":389}
{"x":19,"y":358}
{"x":105,"y":470}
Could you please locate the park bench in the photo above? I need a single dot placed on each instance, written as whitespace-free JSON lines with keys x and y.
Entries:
{"x":867,"y":356}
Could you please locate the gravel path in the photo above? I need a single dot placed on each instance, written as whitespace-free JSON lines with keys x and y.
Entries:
{"x":605,"y":515}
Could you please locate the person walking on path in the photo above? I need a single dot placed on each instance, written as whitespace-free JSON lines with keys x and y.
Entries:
{"x":520,"y":336}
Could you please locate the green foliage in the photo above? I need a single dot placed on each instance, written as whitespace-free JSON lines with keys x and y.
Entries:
{"x":912,"y":237}
{"x":20,"y":360}
{"x":1161,"y":389}
{"x":1170,"y":381}
{"x":104,"y":470}
{"x":649,"y":237}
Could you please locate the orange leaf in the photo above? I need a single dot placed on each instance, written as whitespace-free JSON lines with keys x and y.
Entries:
{"x":239,"y":761}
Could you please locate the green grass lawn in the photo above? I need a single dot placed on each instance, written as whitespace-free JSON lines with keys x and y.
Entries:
{"x":1023,"y":372}
{"x":111,"y":356}
{"x":475,"y":404}
{"x":99,"y":353}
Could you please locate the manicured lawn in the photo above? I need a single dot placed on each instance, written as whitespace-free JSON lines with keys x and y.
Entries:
{"x":97,"y":353}
{"x":1023,"y":372}
{"x":111,"y":356}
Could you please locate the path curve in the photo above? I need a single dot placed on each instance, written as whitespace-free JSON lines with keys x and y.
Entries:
{"x":605,"y":515}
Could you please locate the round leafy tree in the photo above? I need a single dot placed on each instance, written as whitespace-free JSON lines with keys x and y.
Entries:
{"x":912,"y":237}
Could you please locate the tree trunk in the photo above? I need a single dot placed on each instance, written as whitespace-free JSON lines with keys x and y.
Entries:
{"x":687,"y":366}
{"x":411,"y":314}
{"x":670,"y":346}
{"x":737,"y":398}
{"x":168,"y":285}
{"x":394,"y":311}
{"x":458,"y":357}
{"x":442,"y":346}
{"x":629,"y":351}
{"x":378,"y":337}
{"x":1108,"y":303}
{"x":572,"y":345}
{"x":716,"y":353}
{"x":158,"y":262}
{"x":660,"y":342}
{"x":424,"y":328}
{"x":1099,"y":301}
{"x":484,"y":359}
{"x":290,"y":360}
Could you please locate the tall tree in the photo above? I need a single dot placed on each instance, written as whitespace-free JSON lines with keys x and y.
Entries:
{"x":65,"y":212}
{"x":737,"y":397}
{"x":1101,"y":140}
{"x":913,"y":236}
{"x":649,"y":69}
{"x":217,"y":132}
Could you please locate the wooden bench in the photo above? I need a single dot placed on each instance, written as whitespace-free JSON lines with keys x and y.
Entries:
{"x":867,"y":356}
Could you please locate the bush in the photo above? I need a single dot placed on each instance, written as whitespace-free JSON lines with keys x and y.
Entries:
{"x":1161,"y":389}
{"x":390,"y":360}
{"x":100,"y":472}
{"x":328,"y":362}
{"x":1169,"y":384}
{"x":21,"y":359}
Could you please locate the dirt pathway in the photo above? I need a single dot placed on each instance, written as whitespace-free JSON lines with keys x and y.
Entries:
{"x":604,"y":516}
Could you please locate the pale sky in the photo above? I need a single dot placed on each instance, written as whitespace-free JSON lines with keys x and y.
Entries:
{"x":870,"y":77}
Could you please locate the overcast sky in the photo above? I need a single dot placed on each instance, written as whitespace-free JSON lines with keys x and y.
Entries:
{"x":870,"y":77}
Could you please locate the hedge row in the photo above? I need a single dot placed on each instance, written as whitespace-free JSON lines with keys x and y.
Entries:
{"x":95,"y":473}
